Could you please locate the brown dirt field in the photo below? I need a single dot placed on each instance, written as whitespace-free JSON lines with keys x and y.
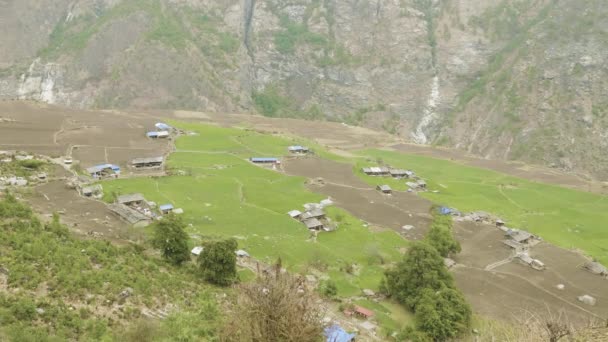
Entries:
{"x":518,"y":288}
{"x":362,"y":200}
{"x":84,"y":216}
{"x":93,"y":135}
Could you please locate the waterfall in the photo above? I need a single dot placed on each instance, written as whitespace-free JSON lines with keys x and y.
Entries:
{"x":419,"y":135}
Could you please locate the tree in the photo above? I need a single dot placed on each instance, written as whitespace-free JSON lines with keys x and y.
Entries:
{"x":275,"y":307}
{"x":442,"y":239}
{"x":328,"y":288}
{"x":217,"y":262}
{"x":171,"y":238}
{"x":442,"y":314}
{"x":421,"y":268}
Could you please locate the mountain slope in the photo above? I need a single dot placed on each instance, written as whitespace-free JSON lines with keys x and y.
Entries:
{"x":471,"y":74}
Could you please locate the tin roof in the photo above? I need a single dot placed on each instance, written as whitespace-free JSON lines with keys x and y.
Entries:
{"x":129,"y":198}
{"x":147,"y":160}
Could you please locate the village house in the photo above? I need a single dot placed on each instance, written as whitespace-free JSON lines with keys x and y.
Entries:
{"x":129,"y":215}
{"x":264,"y":160}
{"x":104,"y":170}
{"x":596,"y":268}
{"x":197,"y":250}
{"x":157,"y":134}
{"x":131,"y":199}
{"x":162,"y":126}
{"x":398,"y":173}
{"x":147,"y":163}
{"x":520,"y":236}
{"x":297,"y":149}
{"x":385,"y":189}
{"x":313,"y":224}
{"x":314,"y":213}
{"x":359,"y":312}
{"x":241,"y":254}
{"x":294,"y":214}
{"x":527,"y":260}
{"x":166,"y":209}
{"x":92,"y":191}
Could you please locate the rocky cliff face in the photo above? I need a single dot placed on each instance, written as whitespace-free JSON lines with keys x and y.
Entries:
{"x":486,"y":76}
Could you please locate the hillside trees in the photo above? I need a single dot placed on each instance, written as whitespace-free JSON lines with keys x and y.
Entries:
{"x":274,"y":307}
{"x":170,"y":237}
{"x":421,"y":268}
{"x":421,"y":281}
{"x":217,"y":262}
{"x":441,"y":237}
{"x":442,"y":314}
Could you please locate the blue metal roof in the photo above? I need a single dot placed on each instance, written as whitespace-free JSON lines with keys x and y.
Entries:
{"x":162,"y":126}
{"x":166,"y":207}
{"x":152,"y":134}
{"x":101,"y":167}
{"x":336,"y":334}
{"x":263,"y":160}
{"x":445,"y":210}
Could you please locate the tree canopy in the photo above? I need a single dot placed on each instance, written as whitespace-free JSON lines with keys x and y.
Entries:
{"x":170,"y":237}
{"x":421,"y":268}
{"x":217,"y":262}
{"x":441,"y":236}
{"x":442,"y":314}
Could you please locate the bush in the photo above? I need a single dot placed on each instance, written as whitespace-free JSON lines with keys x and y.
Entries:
{"x":217,"y":262}
{"x":171,"y":238}
{"x":328,"y":288}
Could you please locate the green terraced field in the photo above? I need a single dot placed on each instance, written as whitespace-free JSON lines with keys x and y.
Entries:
{"x":224,"y":195}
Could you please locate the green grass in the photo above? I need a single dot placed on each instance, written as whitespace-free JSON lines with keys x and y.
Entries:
{"x":389,"y":315}
{"x":223,"y":195}
{"x":565,"y":217}
{"x":77,"y":283}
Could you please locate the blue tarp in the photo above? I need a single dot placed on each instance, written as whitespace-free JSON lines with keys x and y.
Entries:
{"x":336,"y":334}
{"x":152,"y":134}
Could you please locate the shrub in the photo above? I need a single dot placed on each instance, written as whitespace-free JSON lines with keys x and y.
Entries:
{"x":217,"y":262}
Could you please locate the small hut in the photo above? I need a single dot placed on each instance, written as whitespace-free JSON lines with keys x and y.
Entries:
{"x":385,"y":189}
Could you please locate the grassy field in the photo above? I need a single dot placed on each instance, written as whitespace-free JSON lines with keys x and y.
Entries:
{"x":565,"y":217}
{"x":224,"y":195}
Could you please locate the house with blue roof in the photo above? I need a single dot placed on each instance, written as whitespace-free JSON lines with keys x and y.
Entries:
{"x":162,"y":126}
{"x":336,"y":334}
{"x":264,"y":160}
{"x":103,"y":170}
{"x":165,"y":208}
{"x":156,"y":135}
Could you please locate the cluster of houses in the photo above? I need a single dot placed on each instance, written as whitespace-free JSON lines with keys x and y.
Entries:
{"x":314,"y":217}
{"x":415,"y":183}
{"x":137,"y":211}
{"x":162,"y":131}
{"x":13,"y":180}
{"x":387,"y":171}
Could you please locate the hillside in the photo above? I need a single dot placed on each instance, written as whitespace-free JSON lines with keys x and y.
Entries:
{"x":504,"y":79}
{"x":55,"y":287}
